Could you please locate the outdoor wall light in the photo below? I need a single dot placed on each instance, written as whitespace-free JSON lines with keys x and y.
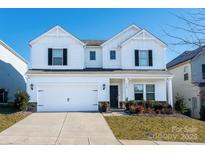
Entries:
{"x":31,"y":86}
{"x":103,"y":86}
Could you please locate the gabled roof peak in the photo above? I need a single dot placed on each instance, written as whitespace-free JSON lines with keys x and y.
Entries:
{"x":143,"y":31}
{"x":53,"y":28}
{"x":124,"y":30}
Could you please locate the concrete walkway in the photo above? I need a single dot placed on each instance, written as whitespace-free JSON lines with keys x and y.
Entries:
{"x":60,"y":128}
{"x":146,"y":142}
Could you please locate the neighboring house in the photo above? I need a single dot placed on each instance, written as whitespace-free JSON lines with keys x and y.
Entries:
{"x":12,"y":71}
{"x":189,"y":78}
{"x":68,"y":74}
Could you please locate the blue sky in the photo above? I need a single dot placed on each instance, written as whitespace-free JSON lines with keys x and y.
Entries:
{"x":19,"y":26}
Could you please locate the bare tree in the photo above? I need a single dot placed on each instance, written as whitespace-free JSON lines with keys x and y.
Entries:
{"x":190,"y":30}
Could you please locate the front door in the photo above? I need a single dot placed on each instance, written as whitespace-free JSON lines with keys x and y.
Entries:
{"x":114,"y":96}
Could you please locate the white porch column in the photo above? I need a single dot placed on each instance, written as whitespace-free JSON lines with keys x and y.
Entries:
{"x":126,"y":88}
{"x":169,"y":91}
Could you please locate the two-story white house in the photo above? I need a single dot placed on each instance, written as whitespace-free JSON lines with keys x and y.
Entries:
{"x":69,"y":74}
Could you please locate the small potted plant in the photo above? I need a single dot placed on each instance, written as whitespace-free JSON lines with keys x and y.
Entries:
{"x":103,"y":106}
{"x":132,"y":108}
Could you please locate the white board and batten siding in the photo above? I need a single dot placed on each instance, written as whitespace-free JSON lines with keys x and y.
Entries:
{"x":158,"y":54}
{"x":114,"y":44}
{"x":75,"y":51}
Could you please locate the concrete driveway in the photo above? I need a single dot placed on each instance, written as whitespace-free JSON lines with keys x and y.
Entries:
{"x":60,"y":128}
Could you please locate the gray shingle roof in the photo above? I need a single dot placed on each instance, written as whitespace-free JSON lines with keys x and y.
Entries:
{"x":93,"y":42}
{"x":185,"y":56}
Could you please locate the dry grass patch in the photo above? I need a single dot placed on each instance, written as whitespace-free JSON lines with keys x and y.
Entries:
{"x":157,"y":128}
{"x":8,"y":117}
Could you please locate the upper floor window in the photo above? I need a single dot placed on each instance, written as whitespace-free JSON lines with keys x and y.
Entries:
{"x":143,"y":58}
{"x":112,"y":54}
{"x":92,"y":55}
{"x":186,"y":73}
{"x":57,"y":57}
{"x":203,"y":71}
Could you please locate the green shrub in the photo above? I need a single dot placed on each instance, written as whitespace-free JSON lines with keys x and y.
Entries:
{"x":202,"y":113}
{"x":21,"y":100}
{"x":180,"y":104}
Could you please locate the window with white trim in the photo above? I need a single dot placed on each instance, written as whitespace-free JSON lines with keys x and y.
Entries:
{"x":112,"y":54}
{"x":143,"y":58}
{"x":144,"y":92}
{"x":186,"y":73}
{"x":150,"y":92}
{"x":57,"y":57}
{"x":92,"y":55}
{"x":139,"y":90}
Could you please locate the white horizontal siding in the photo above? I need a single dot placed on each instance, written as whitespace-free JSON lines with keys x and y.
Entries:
{"x":93,"y":63}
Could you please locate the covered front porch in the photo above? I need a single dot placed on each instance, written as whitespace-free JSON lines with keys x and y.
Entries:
{"x":139,"y":89}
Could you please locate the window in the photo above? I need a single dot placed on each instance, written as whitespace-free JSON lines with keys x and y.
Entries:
{"x":138,"y":90}
{"x":150,"y":92}
{"x":203,"y":71}
{"x":143,"y":58}
{"x":186,"y":74}
{"x":92,"y":55}
{"x":112,"y":54}
{"x":139,"y":93}
{"x":57,"y":56}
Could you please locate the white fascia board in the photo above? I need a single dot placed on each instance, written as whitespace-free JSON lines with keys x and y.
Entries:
{"x":13,"y":51}
{"x":131,"y":26}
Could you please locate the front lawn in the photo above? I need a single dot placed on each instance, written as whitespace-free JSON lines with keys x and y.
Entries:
{"x":157,"y":128}
{"x":9,"y":116}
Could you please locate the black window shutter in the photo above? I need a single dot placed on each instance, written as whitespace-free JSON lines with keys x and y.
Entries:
{"x":136,"y":57}
{"x":49,"y":56}
{"x":203,"y":71}
{"x":150,"y":58}
{"x":64,"y":56}
{"x":203,"y":68}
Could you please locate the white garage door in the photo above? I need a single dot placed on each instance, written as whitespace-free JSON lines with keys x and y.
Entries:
{"x":67,"y":98}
